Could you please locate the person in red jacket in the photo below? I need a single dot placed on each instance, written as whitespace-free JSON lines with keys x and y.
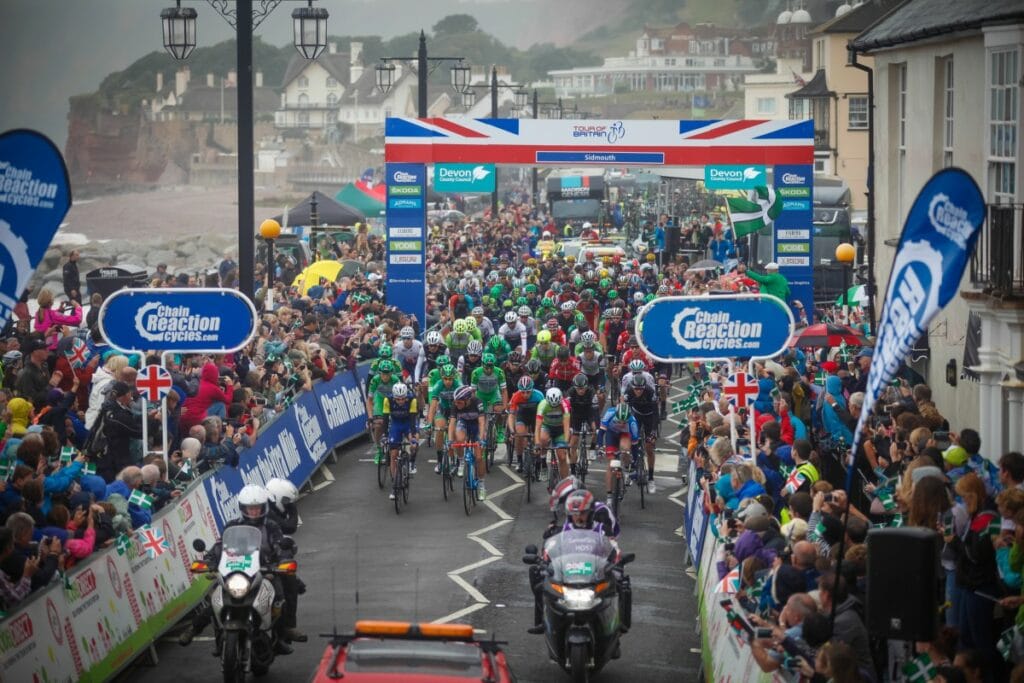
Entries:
{"x":193,"y":411}
{"x":563,"y":369}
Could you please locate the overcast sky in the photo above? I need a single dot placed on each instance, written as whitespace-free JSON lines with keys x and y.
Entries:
{"x":58,"y":48}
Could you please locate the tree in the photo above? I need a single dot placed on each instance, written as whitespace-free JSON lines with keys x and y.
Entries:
{"x":454,"y":24}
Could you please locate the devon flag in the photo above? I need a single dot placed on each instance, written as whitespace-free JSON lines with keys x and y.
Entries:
{"x":937,"y":241}
{"x":753,"y":212}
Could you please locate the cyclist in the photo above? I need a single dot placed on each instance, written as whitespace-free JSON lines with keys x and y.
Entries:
{"x":482,"y":323}
{"x":401,"y":409}
{"x":527,"y":320}
{"x":514,"y":332}
{"x":379,"y":389}
{"x":409,"y":352}
{"x":553,"y":427}
{"x":557,"y":333}
{"x":499,"y":347}
{"x":433,"y":349}
{"x":636,"y":368}
{"x":383,"y":354}
{"x":618,"y":425}
{"x":466,"y":425}
{"x":564,"y":368}
{"x":566,"y":315}
{"x":535,"y":371}
{"x":582,"y":412}
{"x":471,"y":360}
{"x":522,"y":415}
{"x":643,"y":403}
{"x":442,"y":393}
{"x":545,"y":350}
{"x":458,"y":339}
{"x":514,"y":368}
{"x":489,"y":382}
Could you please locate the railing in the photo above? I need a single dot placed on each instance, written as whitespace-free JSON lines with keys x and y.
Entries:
{"x":997,"y":266}
{"x":821,"y":138}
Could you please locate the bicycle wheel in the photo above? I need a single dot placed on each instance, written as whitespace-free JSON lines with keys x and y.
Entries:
{"x":617,"y":492}
{"x":446,"y":472}
{"x":641,"y":477}
{"x":468,"y":491}
{"x":491,"y":446}
{"x":396,"y":487}
{"x":553,"y":471}
{"x":406,"y":480}
{"x":581,"y":458}
{"x":382,"y":466}
{"x":528,"y":469}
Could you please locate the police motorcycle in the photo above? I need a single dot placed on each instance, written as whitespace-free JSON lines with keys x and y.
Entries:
{"x":246,"y":601}
{"x":583,"y":604}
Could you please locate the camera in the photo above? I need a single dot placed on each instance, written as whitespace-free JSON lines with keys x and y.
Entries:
{"x":762,"y":633}
{"x":829,"y":498}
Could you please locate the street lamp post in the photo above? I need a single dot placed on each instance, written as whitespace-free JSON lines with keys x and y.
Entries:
{"x":845,"y":254}
{"x":424,"y":66}
{"x":270,"y":230}
{"x":310,"y":33}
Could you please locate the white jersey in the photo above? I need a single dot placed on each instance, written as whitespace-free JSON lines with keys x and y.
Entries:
{"x":410,"y":356}
{"x":627,"y":379}
{"x":515,"y":335}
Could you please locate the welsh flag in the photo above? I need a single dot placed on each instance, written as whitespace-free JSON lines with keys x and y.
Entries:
{"x":141,"y":499}
{"x":793,"y":483}
{"x":731,"y":582}
{"x":753,"y":212}
{"x":921,"y":669}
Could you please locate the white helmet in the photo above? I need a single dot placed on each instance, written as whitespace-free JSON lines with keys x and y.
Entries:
{"x":525,"y":311}
{"x":586,"y":224}
{"x":282,"y":492}
{"x":511,"y":317}
{"x":475,"y":348}
{"x":478,"y":310}
{"x":399,"y":390}
{"x":554,"y":396}
{"x":407,"y":333}
{"x":588,"y":337}
{"x":252,"y":503}
{"x":567,"y":306}
{"x":433,"y":337}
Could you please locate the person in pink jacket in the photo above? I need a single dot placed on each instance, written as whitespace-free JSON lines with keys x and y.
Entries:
{"x":193,"y":410}
{"x":48,"y":322}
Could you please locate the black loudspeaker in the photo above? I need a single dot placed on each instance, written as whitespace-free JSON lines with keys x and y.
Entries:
{"x":904,"y":583}
{"x":671,"y":240}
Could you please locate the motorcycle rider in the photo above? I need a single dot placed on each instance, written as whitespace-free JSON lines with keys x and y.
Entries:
{"x":254,"y":506}
{"x":285,"y":513}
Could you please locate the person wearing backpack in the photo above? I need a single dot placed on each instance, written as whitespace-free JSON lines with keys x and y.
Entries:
{"x":119,"y":426}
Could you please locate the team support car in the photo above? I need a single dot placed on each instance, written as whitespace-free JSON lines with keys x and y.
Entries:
{"x":403,"y":652}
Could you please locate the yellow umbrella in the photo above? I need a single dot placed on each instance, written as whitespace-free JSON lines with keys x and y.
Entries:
{"x":310,"y":277}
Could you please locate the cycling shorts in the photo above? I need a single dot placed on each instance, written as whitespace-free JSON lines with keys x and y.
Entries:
{"x":556,"y":433}
{"x":471,"y":428}
{"x":649,"y":423}
{"x":527,"y":418}
{"x":399,"y":429}
{"x":597,"y":381}
{"x":579,"y":418}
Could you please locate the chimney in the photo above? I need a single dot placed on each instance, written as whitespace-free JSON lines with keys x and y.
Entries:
{"x":355,"y":51}
{"x":332,"y":48}
{"x":181,"y":78}
{"x":159,"y":81}
{"x":209,"y":80}
{"x":259,"y":79}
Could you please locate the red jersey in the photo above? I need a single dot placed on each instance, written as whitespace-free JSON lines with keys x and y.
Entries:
{"x":564,"y":370}
{"x":632,"y":354}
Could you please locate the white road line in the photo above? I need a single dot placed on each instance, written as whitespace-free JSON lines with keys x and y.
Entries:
{"x":500,"y":522}
{"x":460,"y":613}
{"x":469,"y":588}
{"x":486,"y":546}
{"x":496,"y":510}
{"x":475,"y":565}
{"x":502,"y":492}
{"x":511,"y":474}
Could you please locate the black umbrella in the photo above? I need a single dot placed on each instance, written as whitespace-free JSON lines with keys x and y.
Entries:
{"x":329,"y":212}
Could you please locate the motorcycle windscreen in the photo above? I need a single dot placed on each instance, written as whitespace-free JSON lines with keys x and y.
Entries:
{"x":579,"y":557}
{"x":241,"y":549}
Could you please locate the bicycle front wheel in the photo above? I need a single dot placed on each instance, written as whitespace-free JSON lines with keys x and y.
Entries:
{"x":396,"y":489}
{"x":528,"y":470}
{"x":468,"y":494}
{"x":641,"y":477}
{"x":382,"y":467}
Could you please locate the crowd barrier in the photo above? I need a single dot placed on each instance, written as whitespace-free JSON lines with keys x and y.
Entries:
{"x":112,"y":607}
{"x":724,"y":656}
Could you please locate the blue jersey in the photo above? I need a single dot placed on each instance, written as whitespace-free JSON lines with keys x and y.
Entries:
{"x":613,"y":425}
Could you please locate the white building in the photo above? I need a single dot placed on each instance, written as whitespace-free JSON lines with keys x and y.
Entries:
{"x":764,"y":95}
{"x":312,"y":90}
{"x":948,"y":93}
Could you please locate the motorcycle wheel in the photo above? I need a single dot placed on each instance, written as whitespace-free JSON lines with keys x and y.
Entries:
{"x":578,"y":670}
{"x":231,"y":658}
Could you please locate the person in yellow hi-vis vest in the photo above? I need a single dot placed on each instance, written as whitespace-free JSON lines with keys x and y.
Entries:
{"x":804,"y":474}
{"x":547,"y":246}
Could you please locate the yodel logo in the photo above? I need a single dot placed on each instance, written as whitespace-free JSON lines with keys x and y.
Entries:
{"x":160,"y":323}
{"x":696,"y":329}
{"x":951,"y":221}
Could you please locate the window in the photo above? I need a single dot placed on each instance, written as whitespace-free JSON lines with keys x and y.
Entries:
{"x":332,"y":82}
{"x":1004,"y":94}
{"x":858,"y":117}
{"x":332,"y":99}
{"x":819,"y":54}
{"x":303,"y":100}
{"x":947,"y":112}
{"x":901,"y":161}
{"x":303,"y":82}
{"x":766,"y":105}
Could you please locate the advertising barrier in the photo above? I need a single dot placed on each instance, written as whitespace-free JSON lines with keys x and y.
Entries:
{"x":118,"y":602}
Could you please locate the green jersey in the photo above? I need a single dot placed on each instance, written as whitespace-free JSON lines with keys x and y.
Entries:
{"x":488,"y":384}
{"x":443,"y":395}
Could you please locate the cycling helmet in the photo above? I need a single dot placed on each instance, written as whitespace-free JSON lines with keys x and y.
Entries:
{"x":590,"y":274}
{"x":518,"y":282}
{"x":563,"y":353}
{"x":543,"y":337}
{"x":253,"y":503}
{"x":663,"y":290}
{"x":384,"y":367}
{"x":12,"y":356}
{"x":554,"y":396}
{"x":510,"y":317}
{"x":638,"y":381}
{"x":604,"y":283}
{"x":407,"y":333}
{"x":507,"y":303}
{"x":622,"y":412}
{"x":522,"y":301}
{"x":515,"y":358}
{"x":582,"y":325}
{"x":533,"y":366}
{"x":649,"y":298}
{"x":442,"y":361}
{"x":474,"y":348}
{"x":525,"y":311}
{"x":570,"y":259}
{"x":510,"y":271}
{"x":448,"y":372}
{"x":614,"y":312}
{"x":579,"y":380}
{"x":531,"y":288}
{"x":470,"y":323}
{"x":637,"y":365}
{"x":400,"y":390}
{"x":434,"y":338}
{"x":525,"y":383}
{"x":464,"y":393}
{"x":460,"y":326}
{"x":579,"y":508}
{"x":562,"y":491}
{"x":588,"y":338}
{"x":650,"y":257}
{"x":489,"y":359}
{"x":612,"y":294}
{"x":478,"y":310}
{"x":577,"y":281}
{"x":494,"y":342}
{"x":547,"y":302}
{"x":384,"y":351}
{"x":638,"y":297}
{"x":281,"y":492}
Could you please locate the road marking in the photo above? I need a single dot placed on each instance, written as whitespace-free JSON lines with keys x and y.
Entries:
{"x":475,"y":565}
{"x":496,"y":510}
{"x":500,"y":522}
{"x":511,"y":474}
{"x":486,"y":545}
{"x":502,"y":492}
{"x":460,"y":613}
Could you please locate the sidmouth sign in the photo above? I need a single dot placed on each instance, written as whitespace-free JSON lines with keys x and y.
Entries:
{"x":184,"y":320}
{"x":681,"y":328}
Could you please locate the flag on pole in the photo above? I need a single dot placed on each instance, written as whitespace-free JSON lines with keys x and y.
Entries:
{"x":141,"y":499}
{"x":921,"y":669}
{"x":89,"y":468}
{"x":731,"y":582}
{"x":757,"y":210}
{"x":122,"y":543}
{"x":185,"y":471}
{"x":689,"y":402}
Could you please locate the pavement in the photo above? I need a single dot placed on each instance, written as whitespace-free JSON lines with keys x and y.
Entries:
{"x":434,"y":563}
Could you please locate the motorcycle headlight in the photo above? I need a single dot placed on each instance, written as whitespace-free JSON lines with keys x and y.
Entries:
{"x":579,"y":598}
{"x":237,"y":585}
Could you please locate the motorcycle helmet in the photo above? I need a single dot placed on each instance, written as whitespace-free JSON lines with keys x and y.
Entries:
{"x":579,"y":508}
{"x":253,"y":502}
{"x":562,"y":491}
{"x":525,"y":383}
{"x":554,"y":396}
{"x":434,"y":338}
{"x":579,"y":381}
{"x":281,"y":492}
{"x":400,"y":390}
